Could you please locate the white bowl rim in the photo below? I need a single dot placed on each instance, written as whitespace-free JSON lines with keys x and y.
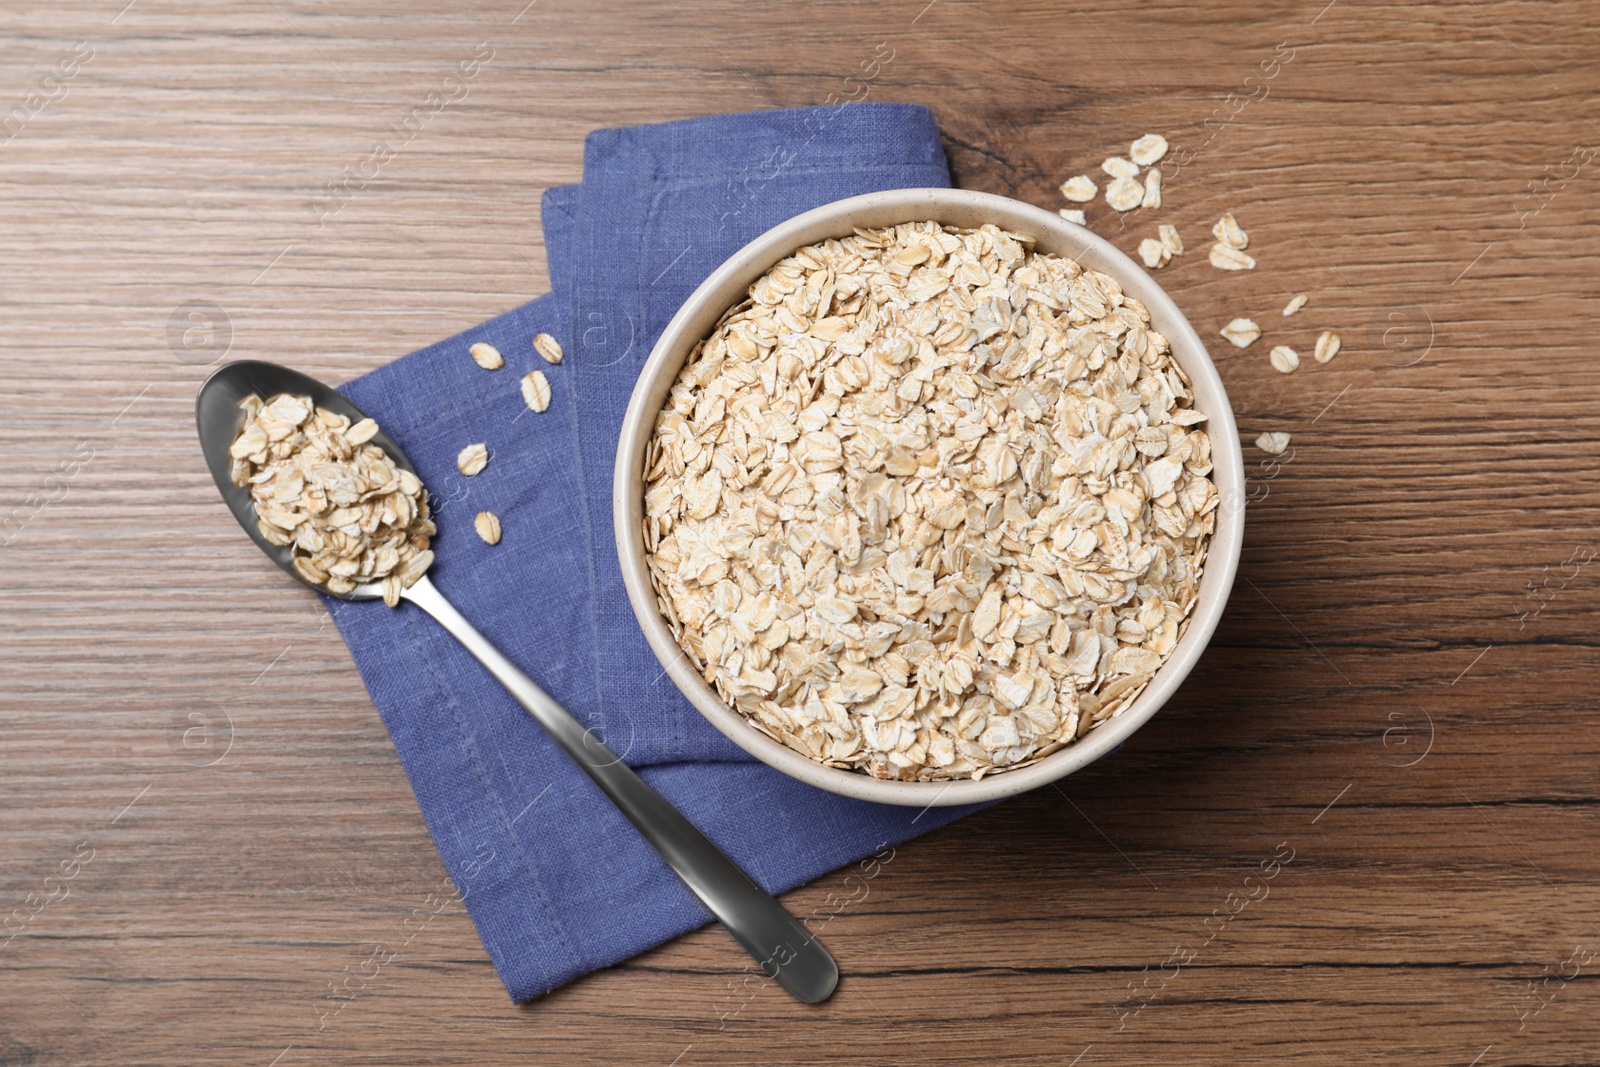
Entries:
{"x":693,"y":322}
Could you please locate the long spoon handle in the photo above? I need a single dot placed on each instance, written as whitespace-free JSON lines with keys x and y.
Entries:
{"x":783,"y":947}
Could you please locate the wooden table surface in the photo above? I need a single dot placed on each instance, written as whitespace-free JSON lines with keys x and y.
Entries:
{"x":1363,"y":832}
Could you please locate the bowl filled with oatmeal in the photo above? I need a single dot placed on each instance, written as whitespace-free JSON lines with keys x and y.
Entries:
{"x":928,"y":496}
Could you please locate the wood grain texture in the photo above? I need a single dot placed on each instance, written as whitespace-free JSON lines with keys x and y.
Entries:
{"x":1402,"y":691}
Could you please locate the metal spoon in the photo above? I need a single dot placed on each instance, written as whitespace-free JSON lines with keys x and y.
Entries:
{"x":784,"y":948}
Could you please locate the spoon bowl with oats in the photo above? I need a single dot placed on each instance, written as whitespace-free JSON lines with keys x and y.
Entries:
{"x":333,"y":501}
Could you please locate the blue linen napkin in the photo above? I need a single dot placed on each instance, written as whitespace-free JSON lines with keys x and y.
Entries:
{"x":557,"y":882}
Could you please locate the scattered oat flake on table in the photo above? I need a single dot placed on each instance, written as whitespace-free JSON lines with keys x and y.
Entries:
{"x":472,"y":459}
{"x":548,"y":347}
{"x":1072,"y":214}
{"x":1295,"y":304}
{"x":1124,"y":194}
{"x":487,"y":356}
{"x":1148,"y":149}
{"x":1154,"y":253}
{"x":1079,"y":190}
{"x":1273,"y":443}
{"x":1285,"y":360}
{"x":1170,"y":238}
{"x":1117,"y":167}
{"x":1228,"y":232}
{"x":536,"y":390}
{"x":1327,"y":346}
{"x":1224,"y":257}
{"x":487,"y":523}
{"x":1241,"y":332}
{"x":1152,"y":188}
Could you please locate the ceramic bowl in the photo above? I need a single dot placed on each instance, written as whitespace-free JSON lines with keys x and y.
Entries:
{"x":727,"y":286}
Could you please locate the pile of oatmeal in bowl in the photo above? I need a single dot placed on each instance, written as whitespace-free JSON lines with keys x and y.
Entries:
{"x":927,"y":504}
